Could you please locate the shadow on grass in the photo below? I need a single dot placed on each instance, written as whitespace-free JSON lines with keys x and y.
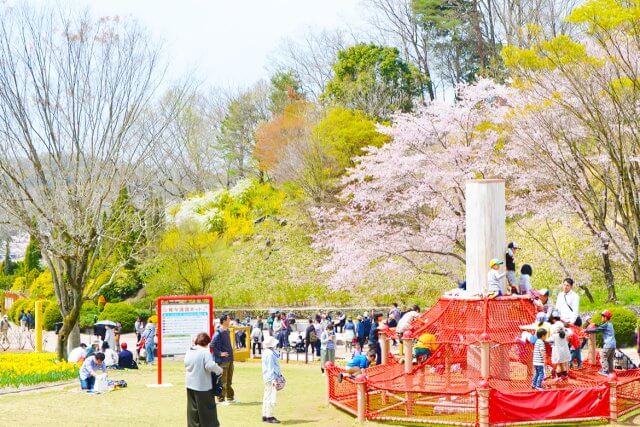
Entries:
{"x":247,"y":404}
{"x":296,"y":422}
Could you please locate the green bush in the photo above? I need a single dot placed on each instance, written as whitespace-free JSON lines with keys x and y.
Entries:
{"x":124,"y":285}
{"x":6,"y":281}
{"x":624,"y":324}
{"x":52,"y":315}
{"x":120,"y":312}
{"x":88,"y":314}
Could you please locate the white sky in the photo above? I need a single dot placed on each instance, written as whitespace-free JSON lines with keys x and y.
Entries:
{"x":227,"y":42}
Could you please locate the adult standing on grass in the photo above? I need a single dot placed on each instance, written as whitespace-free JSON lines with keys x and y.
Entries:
{"x":328,"y":346}
{"x":139,"y":328}
{"x":568,"y":304}
{"x":88,"y":370}
{"x":223,"y":355}
{"x":201,"y":405}
{"x":148,"y":336}
{"x":374,"y":343}
{"x":110,"y":337}
{"x":270,"y":373}
{"x":364,"y":327}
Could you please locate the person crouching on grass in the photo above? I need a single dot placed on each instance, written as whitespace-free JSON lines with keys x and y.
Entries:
{"x":270,"y":372}
{"x":88,"y":370}
{"x":358,"y":364}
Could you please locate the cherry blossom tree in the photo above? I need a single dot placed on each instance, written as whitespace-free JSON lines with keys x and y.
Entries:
{"x":404,"y":202}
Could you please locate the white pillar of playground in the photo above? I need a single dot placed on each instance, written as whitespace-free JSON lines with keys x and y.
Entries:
{"x":485,"y":230}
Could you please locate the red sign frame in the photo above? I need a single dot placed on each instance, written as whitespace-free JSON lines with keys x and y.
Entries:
{"x":159,"y":302}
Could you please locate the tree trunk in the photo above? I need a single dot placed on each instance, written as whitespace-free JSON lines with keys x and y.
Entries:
{"x":608,"y":275}
{"x":74,"y":338}
{"x":587,"y":292}
{"x":69,"y":323}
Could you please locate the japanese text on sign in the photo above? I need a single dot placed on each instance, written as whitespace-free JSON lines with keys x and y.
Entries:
{"x":181,"y":323}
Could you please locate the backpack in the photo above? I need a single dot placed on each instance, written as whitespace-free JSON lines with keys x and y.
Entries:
{"x":313,"y":337}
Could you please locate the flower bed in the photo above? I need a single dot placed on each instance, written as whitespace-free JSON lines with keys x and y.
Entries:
{"x":25,"y":369}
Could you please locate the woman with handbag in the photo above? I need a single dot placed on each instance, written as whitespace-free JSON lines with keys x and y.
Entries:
{"x":199,"y":364}
{"x":273,"y":379}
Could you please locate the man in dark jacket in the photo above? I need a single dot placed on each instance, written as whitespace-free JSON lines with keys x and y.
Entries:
{"x":364,"y":327}
{"x":374,"y":343}
{"x":223,"y":355}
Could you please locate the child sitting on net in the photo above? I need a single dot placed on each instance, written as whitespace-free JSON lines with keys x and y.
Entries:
{"x":494,"y":286}
{"x":528,"y":337}
{"x":358,"y":364}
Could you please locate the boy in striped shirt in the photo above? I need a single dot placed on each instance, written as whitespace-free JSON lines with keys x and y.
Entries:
{"x":539,"y":354}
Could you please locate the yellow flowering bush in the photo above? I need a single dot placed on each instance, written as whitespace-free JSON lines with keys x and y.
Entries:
{"x":19,"y":369}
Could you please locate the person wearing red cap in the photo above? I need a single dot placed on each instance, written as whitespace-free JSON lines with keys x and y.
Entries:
{"x":125,"y":358}
{"x":609,"y":342}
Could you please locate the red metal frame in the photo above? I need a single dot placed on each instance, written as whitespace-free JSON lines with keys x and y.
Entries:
{"x":159,"y":302}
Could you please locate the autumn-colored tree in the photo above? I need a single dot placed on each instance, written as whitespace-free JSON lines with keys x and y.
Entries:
{"x":272,"y":137}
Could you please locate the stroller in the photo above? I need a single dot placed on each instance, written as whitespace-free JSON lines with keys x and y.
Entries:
{"x":622,"y":361}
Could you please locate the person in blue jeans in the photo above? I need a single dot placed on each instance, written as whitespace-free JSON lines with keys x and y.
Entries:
{"x":539,"y":356}
{"x":149,"y":335}
{"x":609,"y":342}
{"x":90,"y":366}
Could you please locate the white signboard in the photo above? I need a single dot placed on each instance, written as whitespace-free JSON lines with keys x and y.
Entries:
{"x":181,"y":323}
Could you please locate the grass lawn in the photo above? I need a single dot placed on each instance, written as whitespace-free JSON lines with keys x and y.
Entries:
{"x":302,"y":402}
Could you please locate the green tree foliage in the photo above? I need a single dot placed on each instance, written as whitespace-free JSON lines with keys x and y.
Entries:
{"x":624,"y":323}
{"x":19,"y":285}
{"x":343,"y":133}
{"x":88,"y":314}
{"x":373,"y":79}
{"x":285,"y":89}
{"x":7,"y":265}
{"x":244,"y":114}
{"x":189,"y":256}
{"x":125,"y":284}
{"x":32,"y":255}
{"x":120,"y":312}
{"x":455,"y":39}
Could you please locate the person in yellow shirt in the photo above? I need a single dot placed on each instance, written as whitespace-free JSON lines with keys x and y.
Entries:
{"x":425,"y":346}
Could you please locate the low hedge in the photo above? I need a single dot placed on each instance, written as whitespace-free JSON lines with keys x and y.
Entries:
{"x":121,"y":312}
{"x":624,"y":323}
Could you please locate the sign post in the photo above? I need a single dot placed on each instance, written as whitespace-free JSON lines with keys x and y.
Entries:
{"x":180,"y":320}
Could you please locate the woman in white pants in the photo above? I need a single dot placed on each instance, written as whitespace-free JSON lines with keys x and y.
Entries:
{"x":270,"y":371}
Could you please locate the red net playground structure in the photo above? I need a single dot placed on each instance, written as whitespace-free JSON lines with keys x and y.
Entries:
{"x":478,"y":374}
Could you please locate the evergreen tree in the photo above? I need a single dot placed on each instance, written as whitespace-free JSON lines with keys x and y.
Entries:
{"x":8,"y":264}
{"x":32,"y":255}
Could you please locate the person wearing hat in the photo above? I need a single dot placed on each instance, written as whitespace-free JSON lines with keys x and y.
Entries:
{"x":609,"y":341}
{"x":270,"y":373}
{"x":125,"y":358}
{"x":543,"y":301}
{"x":494,"y":286}
{"x":364,"y":327}
{"x":510,"y":256}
